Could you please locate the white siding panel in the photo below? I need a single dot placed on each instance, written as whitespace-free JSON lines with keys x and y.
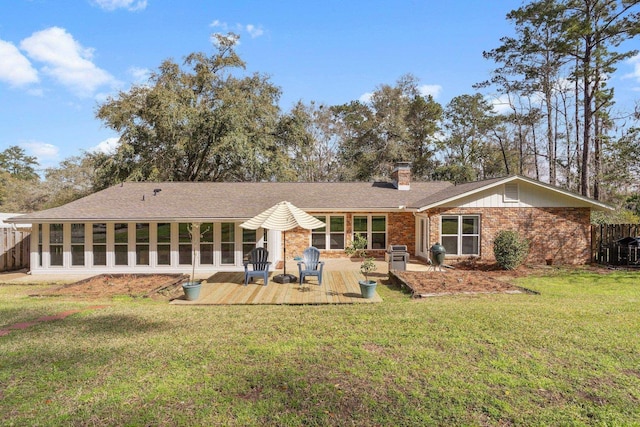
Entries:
{"x":530,"y":196}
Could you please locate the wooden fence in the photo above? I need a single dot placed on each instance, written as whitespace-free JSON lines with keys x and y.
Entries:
{"x":14,"y":249}
{"x":606,"y":247}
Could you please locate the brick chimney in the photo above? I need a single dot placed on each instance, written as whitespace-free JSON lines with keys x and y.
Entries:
{"x":401,"y":176}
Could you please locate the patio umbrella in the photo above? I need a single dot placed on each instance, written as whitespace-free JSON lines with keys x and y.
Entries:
{"x":283,"y":216}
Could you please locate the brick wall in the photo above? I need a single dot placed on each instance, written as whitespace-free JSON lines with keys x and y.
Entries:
{"x":400,"y":231}
{"x":560,"y":234}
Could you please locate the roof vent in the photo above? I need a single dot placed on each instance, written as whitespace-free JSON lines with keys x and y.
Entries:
{"x":511,"y":194}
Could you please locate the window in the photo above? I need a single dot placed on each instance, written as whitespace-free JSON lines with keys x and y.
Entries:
{"x":142,"y":243}
{"x":373,"y":228}
{"x":40,"y":245}
{"x":227,"y":243}
{"x":461,"y":234}
{"x":99,"y":244}
{"x":184,"y":243}
{"x":248,"y":241}
{"x":331,"y":236}
{"x":163,"y":249}
{"x":55,"y":244}
{"x":77,"y":244}
{"x":206,"y":243}
{"x":121,"y":243}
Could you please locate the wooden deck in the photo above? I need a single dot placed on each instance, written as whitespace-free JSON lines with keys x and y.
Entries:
{"x":338,"y":287}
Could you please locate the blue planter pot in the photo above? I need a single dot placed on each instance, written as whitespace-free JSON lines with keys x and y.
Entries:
{"x":191,"y":290}
{"x":367,"y":288}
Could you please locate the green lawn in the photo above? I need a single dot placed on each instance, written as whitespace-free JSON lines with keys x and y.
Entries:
{"x":568,"y":356}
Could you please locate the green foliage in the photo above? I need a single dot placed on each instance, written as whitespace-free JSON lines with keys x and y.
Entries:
{"x":396,"y":124}
{"x":368,"y":266}
{"x":470,"y":147}
{"x":632,"y":203}
{"x":200,"y":122}
{"x":358,"y":248}
{"x":72,"y":179}
{"x":21,"y":195}
{"x":509,"y":249}
{"x":15,"y":161}
{"x":309,"y":136}
{"x":619,"y":216}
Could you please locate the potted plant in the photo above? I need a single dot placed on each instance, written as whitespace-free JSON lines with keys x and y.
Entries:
{"x":367,"y":287}
{"x":192,"y":287}
{"x":358,"y":248}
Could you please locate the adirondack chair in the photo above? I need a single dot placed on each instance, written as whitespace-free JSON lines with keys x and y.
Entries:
{"x":310,"y":264}
{"x":259,"y":266}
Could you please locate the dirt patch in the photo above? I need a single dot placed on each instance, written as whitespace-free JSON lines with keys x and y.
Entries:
{"x":157,"y":286}
{"x":462,"y":279}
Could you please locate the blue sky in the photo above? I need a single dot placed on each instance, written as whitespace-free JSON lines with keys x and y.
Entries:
{"x":60,"y":58}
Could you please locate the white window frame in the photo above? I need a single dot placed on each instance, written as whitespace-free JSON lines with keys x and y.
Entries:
{"x":82,"y":244}
{"x":369,"y":232}
{"x":192,"y":240}
{"x":95,"y":244}
{"x":327,"y":232}
{"x":206,"y":229}
{"x":158,"y":244}
{"x":139,"y":244}
{"x":460,"y":235}
{"x":55,"y":244}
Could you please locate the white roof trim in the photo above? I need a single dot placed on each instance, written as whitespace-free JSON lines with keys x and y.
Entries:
{"x":593,"y":203}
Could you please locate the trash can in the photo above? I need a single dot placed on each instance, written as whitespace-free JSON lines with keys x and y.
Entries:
{"x":398,"y":257}
{"x":437,"y":254}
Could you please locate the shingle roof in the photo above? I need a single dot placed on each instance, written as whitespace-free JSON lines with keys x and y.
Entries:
{"x":192,"y":201}
{"x":208,"y":200}
{"x":453,"y":192}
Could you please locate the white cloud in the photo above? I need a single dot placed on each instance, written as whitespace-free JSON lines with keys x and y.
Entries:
{"x":251,"y":29}
{"x":108,"y":146}
{"x":66,"y":60}
{"x":140,"y":75}
{"x":254,"y":31}
{"x":131,"y":5}
{"x":46,"y":154}
{"x":15,"y":68}
{"x":501,"y":104}
{"x":433,"y":90}
{"x":219,"y":24}
{"x":635,"y":63}
{"x":365,"y":98}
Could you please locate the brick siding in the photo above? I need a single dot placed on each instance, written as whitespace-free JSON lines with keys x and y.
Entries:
{"x":560,"y":234}
{"x":400,"y":231}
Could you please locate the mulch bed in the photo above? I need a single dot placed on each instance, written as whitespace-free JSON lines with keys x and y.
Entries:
{"x":464,"y":278}
{"x":461,"y":279}
{"x":158,"y":286}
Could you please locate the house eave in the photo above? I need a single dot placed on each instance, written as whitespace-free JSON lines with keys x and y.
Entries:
{"x":594,"y":204}
{"x":52,"y":220}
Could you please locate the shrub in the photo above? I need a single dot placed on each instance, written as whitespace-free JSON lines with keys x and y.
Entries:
{"x":510,"y":249}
